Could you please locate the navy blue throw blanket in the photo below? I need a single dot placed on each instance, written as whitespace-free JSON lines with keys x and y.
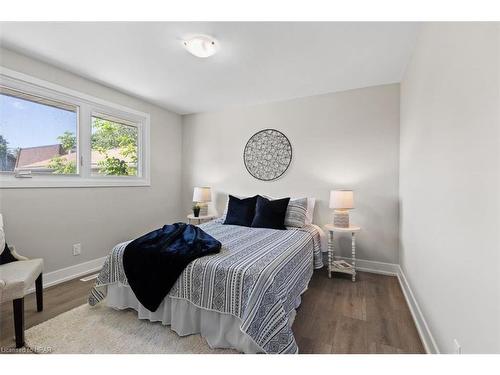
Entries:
{"x":153,"y":262}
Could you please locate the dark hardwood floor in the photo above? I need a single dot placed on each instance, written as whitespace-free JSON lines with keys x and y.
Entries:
{"x":368,"y":316}
{"x":336,"y":315}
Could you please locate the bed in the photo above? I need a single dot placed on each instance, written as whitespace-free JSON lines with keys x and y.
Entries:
{"x":242,"y":298}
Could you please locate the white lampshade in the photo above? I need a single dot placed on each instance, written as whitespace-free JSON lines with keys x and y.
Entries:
{"x":342,"y":199}
{"x":202,"y":194}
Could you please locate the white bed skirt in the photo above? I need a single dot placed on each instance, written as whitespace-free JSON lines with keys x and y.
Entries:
{"x":220,"y":330}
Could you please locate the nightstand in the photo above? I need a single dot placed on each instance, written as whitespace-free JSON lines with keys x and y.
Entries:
{"x":341,"y":265}
{"x":201,"y":219}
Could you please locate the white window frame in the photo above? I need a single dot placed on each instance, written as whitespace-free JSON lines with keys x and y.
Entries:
{"x":87,"y":107}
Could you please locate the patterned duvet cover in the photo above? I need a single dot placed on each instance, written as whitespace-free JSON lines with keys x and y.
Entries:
{"x":257,"y":277}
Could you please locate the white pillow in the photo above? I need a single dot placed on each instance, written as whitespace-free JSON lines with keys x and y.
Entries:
{"x":296,"y":213}
{"x":311,"y":202}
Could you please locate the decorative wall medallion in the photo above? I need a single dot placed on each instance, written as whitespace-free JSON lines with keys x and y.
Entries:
{"x":267,"y":154}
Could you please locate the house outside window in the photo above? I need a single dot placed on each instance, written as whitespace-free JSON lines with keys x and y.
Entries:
{"x":37,"y":134}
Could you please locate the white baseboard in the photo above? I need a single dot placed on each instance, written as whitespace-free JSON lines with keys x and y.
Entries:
{"x":71,"y":272}
{"x":418,"y":317}
{"x":372,"y":266}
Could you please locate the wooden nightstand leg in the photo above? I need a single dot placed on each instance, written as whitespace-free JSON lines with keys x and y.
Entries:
{"x":353,"y":245}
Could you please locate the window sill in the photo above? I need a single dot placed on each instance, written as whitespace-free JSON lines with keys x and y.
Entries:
{"x":11,"y":182}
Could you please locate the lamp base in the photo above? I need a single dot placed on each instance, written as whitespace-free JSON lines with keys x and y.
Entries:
{"x":203,"y":209}
{"x":341,"y":218}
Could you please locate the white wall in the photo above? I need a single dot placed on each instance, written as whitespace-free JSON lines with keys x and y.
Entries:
{"x":449,"y":183}
{"x":47,"y":222}
{"x":341,"y":140}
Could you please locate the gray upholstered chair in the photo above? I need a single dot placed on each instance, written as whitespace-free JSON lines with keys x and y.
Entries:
{"x":15,"y":280}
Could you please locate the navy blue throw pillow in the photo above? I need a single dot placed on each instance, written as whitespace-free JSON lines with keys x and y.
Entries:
{"x":6,"y":256}
{"x":240,"y":211}
{"x":270,"y":214}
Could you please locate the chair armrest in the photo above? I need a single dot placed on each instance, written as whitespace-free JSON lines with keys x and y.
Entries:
{"x":15,"y":254}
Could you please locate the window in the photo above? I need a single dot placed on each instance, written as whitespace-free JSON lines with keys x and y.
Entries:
{"x":37,"y":134}
{"x":113,"y":147}
{"x":53,"y":136}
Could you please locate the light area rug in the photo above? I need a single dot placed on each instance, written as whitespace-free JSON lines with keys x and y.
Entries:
{"x":103,"y":330}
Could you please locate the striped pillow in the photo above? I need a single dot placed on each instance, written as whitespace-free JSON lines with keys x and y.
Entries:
{"x":296,"y":213}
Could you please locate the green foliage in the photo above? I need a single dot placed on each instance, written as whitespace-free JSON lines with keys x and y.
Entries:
{"x":113,"y":166}
{"x":108,"y":135}
{"x":3,"y":146}
{"x":5,"y":153}
{"x":68,"y":141}
{"x":60,"y":165}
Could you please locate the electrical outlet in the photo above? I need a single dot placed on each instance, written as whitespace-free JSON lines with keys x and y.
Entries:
{"x":458,"y":348}
{"x":77,"y":249}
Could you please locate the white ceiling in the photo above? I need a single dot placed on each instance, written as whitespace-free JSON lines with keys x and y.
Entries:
{"x":257,"y":62}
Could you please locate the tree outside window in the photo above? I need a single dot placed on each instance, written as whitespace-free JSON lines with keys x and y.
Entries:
{"x":113,"y":150}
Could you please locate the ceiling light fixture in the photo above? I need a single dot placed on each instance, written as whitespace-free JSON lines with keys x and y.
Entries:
{"x":201,"y":46}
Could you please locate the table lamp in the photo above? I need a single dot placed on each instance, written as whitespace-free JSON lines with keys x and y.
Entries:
{"x":201,"y":196}
{"x":341,"y":201}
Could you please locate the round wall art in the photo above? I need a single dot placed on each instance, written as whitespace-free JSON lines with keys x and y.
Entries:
{"x":267,"y":154}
